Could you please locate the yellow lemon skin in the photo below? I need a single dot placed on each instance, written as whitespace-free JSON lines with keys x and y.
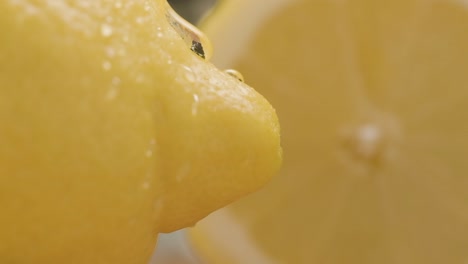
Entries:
{"x":113,"y":131}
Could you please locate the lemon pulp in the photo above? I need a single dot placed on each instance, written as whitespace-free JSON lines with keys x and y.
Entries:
{"x":373,"y":105}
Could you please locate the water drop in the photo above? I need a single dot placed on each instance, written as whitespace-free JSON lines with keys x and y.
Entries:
{"x":195,"y":39}
{"x":235,"y":74}
{"x":158,"y":206}
{"x":112,"y":93}
{"x":140,"y":78}
{"x":149,"y":153}
{"x":183,"y":172}
{"x":106,"y":30}
{"x":189,"y":74}
{"x":84,"y":4}
{"x":140,"y":20}
{"x":122,"y":52}
{"x":187,"y":68}
{"x":144,"y":60}
{"x":197,"y":48}
{"x":114,"y":90}
{"x":106,"y":65}
{"x":116,"y":81}
{"x":150,"y":150}
{"x":196,"y":101}
{"x":145,"y":185}
{"x":110,"y":51}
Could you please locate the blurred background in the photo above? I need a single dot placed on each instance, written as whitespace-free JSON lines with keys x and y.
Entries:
{"x":192,"y":10}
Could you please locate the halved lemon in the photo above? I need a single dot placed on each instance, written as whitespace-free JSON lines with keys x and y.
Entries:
{"x":373,"y":100}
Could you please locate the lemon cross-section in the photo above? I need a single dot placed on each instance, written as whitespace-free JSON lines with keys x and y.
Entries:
{"x":373,"y":102}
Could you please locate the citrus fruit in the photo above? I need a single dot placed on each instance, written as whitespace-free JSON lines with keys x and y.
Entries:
{"x":374,"y":109}
{"x":114,"y":129}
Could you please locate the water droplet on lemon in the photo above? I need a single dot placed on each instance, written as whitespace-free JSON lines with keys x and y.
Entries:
{"x":235,"y":74}
{"x":197,"y":41}
{"x":106,"y":30}
{"x":107,"y":65}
